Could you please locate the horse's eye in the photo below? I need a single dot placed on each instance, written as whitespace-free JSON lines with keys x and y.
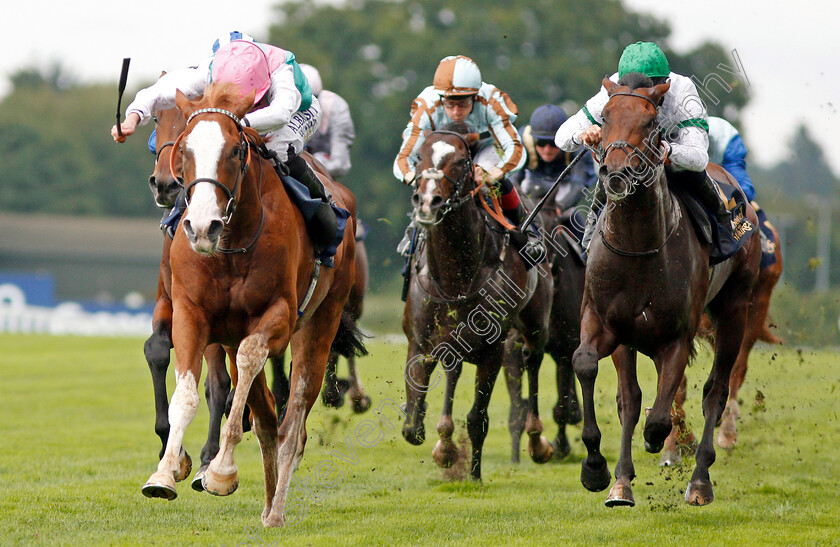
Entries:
{"x":235,"y":152}
{"x":154,"y":118}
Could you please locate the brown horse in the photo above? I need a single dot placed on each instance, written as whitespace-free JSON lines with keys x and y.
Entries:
{"x":681,"y":437}
{"x":648,"y":281}
{"x":564,"y":337}
{"x":244,"y":274}
{"x":164,"y":186}
{"x":468,"y":288}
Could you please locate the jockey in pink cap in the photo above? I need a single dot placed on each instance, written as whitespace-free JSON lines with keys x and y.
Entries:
{"x":285,"y":113}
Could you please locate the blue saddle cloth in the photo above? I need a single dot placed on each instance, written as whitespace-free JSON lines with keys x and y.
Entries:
{"x":724,"y":244}
{"x":299,"y":194}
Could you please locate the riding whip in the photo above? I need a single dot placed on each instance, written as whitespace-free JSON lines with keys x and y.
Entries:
{"x":123,"y":79}
{"x":530,"y":218}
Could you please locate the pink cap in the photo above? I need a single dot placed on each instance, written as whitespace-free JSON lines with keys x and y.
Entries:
{"x":244,"y":64}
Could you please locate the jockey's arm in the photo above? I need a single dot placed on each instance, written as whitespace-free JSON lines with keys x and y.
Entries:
{"x":283,"y":100}
{"x":584,"y":127}
{"x":690,"y":150}
{"x":500,"y":117}
{"x":735,"y":162}
{"x":412,"y":140}
{"x":342,"y":134}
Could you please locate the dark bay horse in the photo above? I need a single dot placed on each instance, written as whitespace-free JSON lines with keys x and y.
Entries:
{"x":681,"y":437}
{"x":648,"y":281}
{"x":244,"y":274}
{"x":468,"y":288}
{"x":564,"y":337}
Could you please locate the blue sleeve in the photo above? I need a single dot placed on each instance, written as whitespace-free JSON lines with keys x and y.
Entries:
{"x":152,"y":141}
{"x":734,"y":161}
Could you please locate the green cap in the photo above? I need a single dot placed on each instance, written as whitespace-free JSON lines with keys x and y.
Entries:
{"x":644,"y":57}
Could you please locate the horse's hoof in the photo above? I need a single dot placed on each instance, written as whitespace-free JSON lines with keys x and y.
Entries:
{"x":332,"y":398}
{"x":275,"y":519}
{"x":415,"y":436}
{"x":361,"y":405}
{"x":220,"y":485}
{"x":540,"y":450}
{"x":699,"y":493}
{"x":196,"y":482}
{"x":160,"y":485}
{"x":620,"y":496}
{"x":654,"y":448}
{"x":727,"y":436}
{"x":670,"y":458}
{"x":561,"y":448}
{"x":445,"y":453}
{"x":185,"y":466}
{"x":595,"y":478}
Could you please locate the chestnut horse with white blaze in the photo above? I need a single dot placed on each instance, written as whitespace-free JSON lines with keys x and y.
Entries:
{"x":244,"y":274}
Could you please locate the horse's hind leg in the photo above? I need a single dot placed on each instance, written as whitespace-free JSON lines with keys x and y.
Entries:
{"x":681,"y":437}
{"x":361,"y":400}
{"x":216,"y":390}
{"x":445,"y":452}
{"x":334,"y":388}
{"x":629,"y":408}
{"x":280,"y":385}
{"x":513,"y":378}
{"x":156,"y":349}
{"x":261,"y":402}
{"x":567,"y":409}
{"x":538,"y":446}
{"x":478,"y":419}
{"x":730,"y":317}
{"x":310,"y":351}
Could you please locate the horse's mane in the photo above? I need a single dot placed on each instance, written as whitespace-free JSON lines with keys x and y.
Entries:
{"x":635,"y":80}
{"x":222,"y":95}
{"x":462,"y":128}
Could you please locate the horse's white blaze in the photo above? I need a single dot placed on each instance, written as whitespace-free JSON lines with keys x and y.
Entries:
{"x":205,"y":142}
{"x":440,"y":150}
{"x":427,"y":197}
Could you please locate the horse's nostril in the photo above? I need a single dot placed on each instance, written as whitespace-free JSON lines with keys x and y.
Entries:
{"x":215,"y":230}
{"x":437,"y":201}
{"x":603,"y":172}
{"x":415,"y":199}
{"x":188,"y":229}
{"x":152,"y":182}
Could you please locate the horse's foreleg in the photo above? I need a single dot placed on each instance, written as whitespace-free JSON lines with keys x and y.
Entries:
{"x":310,"y":351}
{"x":513,"y":378}
{"x":156,"y":349}
{"x":189,"y":341}
{"x":539,"y":448}
{"x":221,"y":477}
{"x":280,"y":386}
{"x":216,"y":390}
{"x":361,"y":400}
{"x":445,"y":452}
{"x":261,"y":403}
{"x":418,"y":373}
{"x":478,"y":419}
{"x":333,"y":392}
{"x":595,"y":343}
{"x":670,"y":364}
{"x":567,"y":409}
{"x":629,"y":408}
{"x":681,"y":437}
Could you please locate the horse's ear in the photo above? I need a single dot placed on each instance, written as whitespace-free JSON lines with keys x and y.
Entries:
{"x":244,"y":106}
{"x":658,"y":91}
{"x":183,"y":104}
{"x":471,"y":138}
{"x":609,"y":85}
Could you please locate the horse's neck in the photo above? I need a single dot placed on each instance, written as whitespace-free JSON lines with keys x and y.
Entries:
{"x":642,"y":220}
{"x":454,"y":248}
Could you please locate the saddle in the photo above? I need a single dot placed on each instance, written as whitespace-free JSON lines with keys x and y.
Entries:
{"x":706,"y":223}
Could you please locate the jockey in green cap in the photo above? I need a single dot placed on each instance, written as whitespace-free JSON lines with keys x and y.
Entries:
{"x":681,"y":117}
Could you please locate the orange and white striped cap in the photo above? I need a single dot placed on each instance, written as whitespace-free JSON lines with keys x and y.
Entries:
{"x":457,"y":76}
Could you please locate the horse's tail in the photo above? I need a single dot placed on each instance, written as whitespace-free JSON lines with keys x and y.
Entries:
{"x":348,"y":340}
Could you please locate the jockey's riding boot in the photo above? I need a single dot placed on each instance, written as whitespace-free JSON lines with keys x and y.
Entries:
{"x":528,"y":243}
{"x":323,"y":225}
{"x":707,"y":192}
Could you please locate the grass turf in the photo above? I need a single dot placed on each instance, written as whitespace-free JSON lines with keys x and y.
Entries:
{"x":78,"y":443}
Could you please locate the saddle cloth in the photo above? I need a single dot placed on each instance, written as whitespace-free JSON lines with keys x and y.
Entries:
{"x":723,"y":244}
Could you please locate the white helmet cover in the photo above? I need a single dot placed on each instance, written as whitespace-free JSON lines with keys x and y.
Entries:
{"x":457,"y":76}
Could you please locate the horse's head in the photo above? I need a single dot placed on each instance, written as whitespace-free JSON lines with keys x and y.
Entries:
{"x":214,"y":152}
{"x":163,"y":184}
{"x":630,"y":135}
{"x":444,"y":175}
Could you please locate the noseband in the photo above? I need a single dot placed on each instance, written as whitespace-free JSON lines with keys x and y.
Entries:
{"x":458,"y":198}
{"x":244,"y":156}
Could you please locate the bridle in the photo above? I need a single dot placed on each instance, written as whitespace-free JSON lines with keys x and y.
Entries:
{"x":244,"y":158}
{"x":245,"y":146}
{"x":629,"y":149}
{"x":460,"y":196}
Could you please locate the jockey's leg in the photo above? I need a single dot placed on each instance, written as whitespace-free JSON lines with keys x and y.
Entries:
{"x":527,"y":243}
{"x":700,"y":184}
{"x":598,"y":201}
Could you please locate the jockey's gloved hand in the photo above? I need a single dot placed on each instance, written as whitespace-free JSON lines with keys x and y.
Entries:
{"x":408,"y":178}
